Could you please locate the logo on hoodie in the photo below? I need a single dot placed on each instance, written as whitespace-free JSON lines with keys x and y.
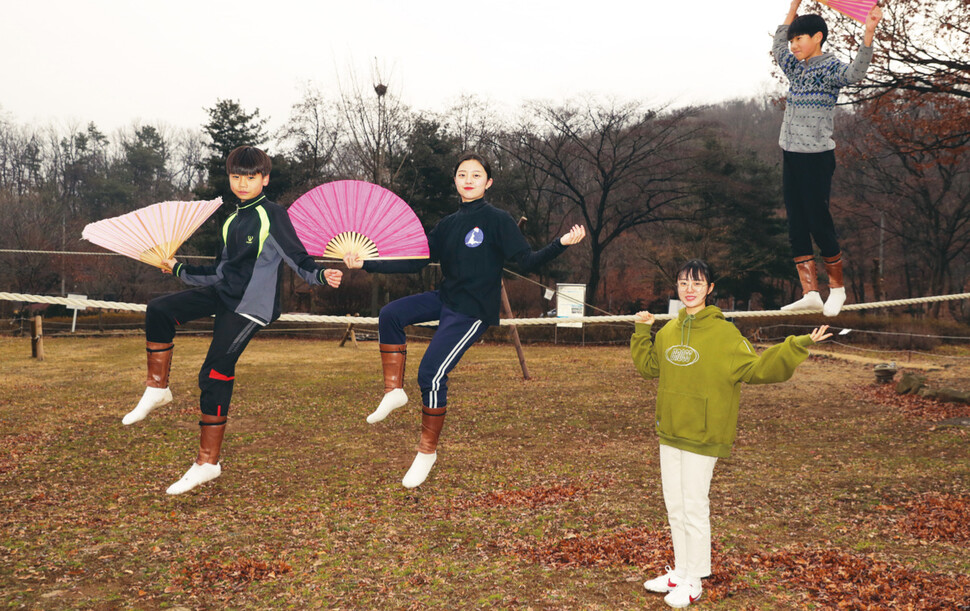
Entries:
{"x":682,"y":356}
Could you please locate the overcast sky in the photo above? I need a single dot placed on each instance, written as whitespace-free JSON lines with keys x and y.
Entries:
{"x":116,"y":62}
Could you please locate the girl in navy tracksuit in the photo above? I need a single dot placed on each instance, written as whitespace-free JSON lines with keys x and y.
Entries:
{"x":241,"y":290}
{"x":471,"y":244}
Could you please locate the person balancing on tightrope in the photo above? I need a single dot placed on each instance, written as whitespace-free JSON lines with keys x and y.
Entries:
{"x":471,"y":244}
{"x":815,"y":79}
{"x":241,"y":290}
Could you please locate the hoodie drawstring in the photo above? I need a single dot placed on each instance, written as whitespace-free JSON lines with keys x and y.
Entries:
{"x":688,"y":323}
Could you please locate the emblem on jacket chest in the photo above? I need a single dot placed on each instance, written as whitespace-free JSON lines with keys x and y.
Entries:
{"x":474,"y":238}
{"x":249,"y":239}
{"x":682,"y":355}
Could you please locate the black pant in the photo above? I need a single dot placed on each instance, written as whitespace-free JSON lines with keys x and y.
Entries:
{"x":807,"y":185}
{"x":230,"y":335}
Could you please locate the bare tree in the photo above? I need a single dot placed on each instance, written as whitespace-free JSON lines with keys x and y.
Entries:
{"x":377,"y":125}
{"x":920,"y":45}
{"x":615,"y":166}
{"x":473,"y":122}
{"x":311,"y":136}
{"x":921,"y":190}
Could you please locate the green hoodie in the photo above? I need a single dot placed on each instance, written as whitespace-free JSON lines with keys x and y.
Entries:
{"x":701,"y":361}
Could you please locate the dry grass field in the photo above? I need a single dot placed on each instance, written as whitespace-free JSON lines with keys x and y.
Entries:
{"x":546,"y":494}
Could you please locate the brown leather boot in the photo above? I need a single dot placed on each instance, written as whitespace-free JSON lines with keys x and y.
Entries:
{"x":156,"y":392}
{"x":807,"y":273}
{"x":210,"y":439}
{"x":393,"y":358}
{"x":808,"y":276}
{"x":206,"y":466}
{"x":836,"y":298}
{"x":431,"y":422}
{"x":159,"y":363}
{"x":833,"y":267}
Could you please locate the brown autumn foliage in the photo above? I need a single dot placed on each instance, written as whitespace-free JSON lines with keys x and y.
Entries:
{"x":914,"y":406}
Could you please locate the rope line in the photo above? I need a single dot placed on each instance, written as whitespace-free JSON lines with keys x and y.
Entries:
{"x":364,"y":320}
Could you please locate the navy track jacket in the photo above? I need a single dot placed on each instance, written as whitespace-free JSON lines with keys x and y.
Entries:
{"x":256,"y":238}
{"x":472,"y":244}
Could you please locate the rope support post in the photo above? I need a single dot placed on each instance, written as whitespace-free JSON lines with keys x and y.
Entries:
{"x":37,"y":338}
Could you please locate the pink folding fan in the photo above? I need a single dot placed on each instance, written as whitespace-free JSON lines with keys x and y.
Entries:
{"x":352,"y":216}
{"x":857,"y":9}
{"x":151,"y":234}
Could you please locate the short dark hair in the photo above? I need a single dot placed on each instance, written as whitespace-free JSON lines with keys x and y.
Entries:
{"x":248,"y":160}
{"x":809,"y":25}
{"x":695,"y":269}
{"x":475,"y":157}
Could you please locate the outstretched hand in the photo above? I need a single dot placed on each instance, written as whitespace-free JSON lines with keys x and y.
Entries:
{"x":353,"y":261}
{"x":820,"y":334}
{"x":873,"y":18}
{"x":171,"y":265}
{"x":333,"y":277}
{"x":575,"y":236}
{"x":645,"y":317}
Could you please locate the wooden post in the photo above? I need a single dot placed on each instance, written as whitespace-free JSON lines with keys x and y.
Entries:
{"x":349,"y":334}
{"x":514,"y":334}
{"x":513,"y":331}
{"x":37,"y":338}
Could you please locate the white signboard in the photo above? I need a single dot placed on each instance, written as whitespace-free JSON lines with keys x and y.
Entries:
{"x":569,"y":302}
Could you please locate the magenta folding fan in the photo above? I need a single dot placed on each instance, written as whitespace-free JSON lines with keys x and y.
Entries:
{"x":151,"y":234}
{"x":857,"y":9}
{"x":353,"y":216}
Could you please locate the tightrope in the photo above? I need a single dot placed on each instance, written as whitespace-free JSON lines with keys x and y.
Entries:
{"x":366,"y":320}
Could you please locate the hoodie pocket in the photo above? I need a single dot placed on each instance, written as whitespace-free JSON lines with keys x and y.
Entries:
{"x":682,"y":415}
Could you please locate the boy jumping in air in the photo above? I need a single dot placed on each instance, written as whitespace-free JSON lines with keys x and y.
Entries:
{"x":242,"y":292}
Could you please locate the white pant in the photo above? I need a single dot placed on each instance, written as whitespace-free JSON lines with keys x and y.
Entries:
{"x":686,"y":481}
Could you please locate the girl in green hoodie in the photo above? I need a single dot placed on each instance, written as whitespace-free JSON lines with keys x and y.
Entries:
{"x":701,"y":360}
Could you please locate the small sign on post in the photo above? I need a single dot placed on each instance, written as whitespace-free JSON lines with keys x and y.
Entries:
{"x":75,"y":308}
{"x":570,"y":299}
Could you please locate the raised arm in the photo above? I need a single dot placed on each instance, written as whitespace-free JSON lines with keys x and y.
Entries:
{"x":527,"y":260}
{"x":778,"y":363}
{"x":872,"y":20}
{"x":792,"y":12}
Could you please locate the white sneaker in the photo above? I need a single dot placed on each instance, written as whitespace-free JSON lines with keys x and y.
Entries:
{"x":391,"y":401}
{"x":664,"y":583}
{"x":684,"y":594}
{"x":197,"y":474}
{"x":153,"y":397}
{"x":833,"y":305}
{"x":419,"y":470}
{"x":811,"y":301}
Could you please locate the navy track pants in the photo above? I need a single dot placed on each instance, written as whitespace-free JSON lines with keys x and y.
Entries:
{"x":456,"y":333}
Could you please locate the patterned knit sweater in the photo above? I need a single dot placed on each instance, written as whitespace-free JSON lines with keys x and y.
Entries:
{"x":813,"y":90}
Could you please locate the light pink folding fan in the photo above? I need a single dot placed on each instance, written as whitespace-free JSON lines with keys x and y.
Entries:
{"x":857,"y":9}
{"x":153,"y":233}
{"x":352,"y":216}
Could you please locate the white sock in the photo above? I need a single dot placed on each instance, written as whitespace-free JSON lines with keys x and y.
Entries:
{"x":391,"y":401}
{"x":811,"y":301}
{"x":419,"y":470}
{"x":153,"y":397}
{"x":197,"y":474}
{"x":833,"y":305}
